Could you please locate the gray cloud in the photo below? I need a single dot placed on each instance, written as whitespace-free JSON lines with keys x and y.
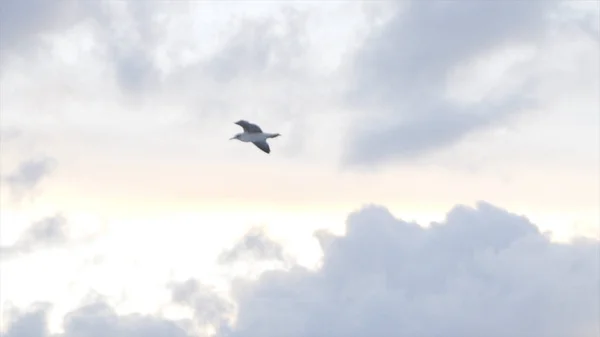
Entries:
{"x":130,"y":51}
{"x":45,"y":233}
{"x":257,"y":47}
{"x":263,"y":63}
{"x":254,"y":245}
{"x":99,"y":320}
{"x":402,"y":70}
{"x":417,"y":136}
{"x":22,"y":21}
{"x":29,"y":174}
{"x":260,"y":61}
{"x":32,"y":323}
{"x":94,"y":320}
{"x":24,"y":24}
{"x":483,"y":272}
{"x":209,"y":308}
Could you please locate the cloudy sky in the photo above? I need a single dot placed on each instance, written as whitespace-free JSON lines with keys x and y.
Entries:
{"x":437,"y":173}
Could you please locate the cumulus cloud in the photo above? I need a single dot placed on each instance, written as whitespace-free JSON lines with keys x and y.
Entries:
{"x":255,"y":245}
{"x":29,"y":174}
{"x":402,"y":70}
{"x":97,"y":319}
{"x":45,"y":233}
{"x":483,"y":271}
{"x":209,"y":309}
{"x":32,"y":323}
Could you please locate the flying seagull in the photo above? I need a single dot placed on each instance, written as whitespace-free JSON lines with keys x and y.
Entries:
{"x":253,"y":134}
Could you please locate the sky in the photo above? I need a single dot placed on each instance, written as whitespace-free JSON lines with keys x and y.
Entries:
{"x":436,"y":174}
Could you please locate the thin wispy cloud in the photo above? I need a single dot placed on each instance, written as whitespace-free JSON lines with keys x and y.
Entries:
{"x":28,"y":175}
{"x":254,"y":245}
{"x":49,"y":232}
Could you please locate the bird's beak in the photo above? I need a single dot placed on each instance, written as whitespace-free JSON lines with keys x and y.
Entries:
{"x":232,"y":138}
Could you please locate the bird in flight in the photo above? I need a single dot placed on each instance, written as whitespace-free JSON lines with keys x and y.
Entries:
{"x":253,"y":134}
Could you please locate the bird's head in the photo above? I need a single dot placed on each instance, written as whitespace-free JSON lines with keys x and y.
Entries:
{"x":237,"y":136}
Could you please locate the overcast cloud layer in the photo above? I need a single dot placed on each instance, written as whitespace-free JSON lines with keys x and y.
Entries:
{"x":399,"y":76}
{"x":481,"y":272}
{"x":136,"y":100}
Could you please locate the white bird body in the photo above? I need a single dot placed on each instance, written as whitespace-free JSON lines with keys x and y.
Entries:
{"x":253,"y":134}
{"x":254,"y":137}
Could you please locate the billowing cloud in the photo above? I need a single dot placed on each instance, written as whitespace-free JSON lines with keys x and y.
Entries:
{"x":403,"y":69}
{"x":97,"y":319}
{"x":209,"y":309}
{"x":32,"y":323}
{"x":48,"y":232}
{"x":483,"y":272}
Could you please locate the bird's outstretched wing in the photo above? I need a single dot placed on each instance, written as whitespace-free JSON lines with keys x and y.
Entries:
{"x":263,"y":146}
{"x":248,"y":127}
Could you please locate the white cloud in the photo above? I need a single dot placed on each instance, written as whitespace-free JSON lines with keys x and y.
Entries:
{"x":481,"y":272}
{"x":129,"y":67}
